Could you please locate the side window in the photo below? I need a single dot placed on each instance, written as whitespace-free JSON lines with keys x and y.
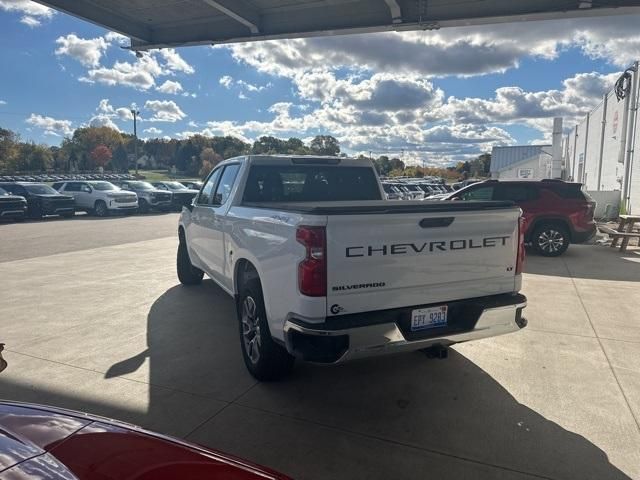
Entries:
{"x":17,"y":190}
{"x":481,"y":193}
{"x":161,"y":186}
{"x":72,"y":187}
{"x":204,"y":197}
{"x":515,"y":193}
{"x":84,"y":187}
{"x":225,"y":185}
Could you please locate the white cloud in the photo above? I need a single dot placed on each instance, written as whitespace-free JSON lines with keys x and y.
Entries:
{"x":122,"y":113}
{"x":170,"y":87}
{"x":164,"y":111}
{"x":31,"y":22}
{"x":174,"y":62}
{"x":102,"y":120}
{"x":33,"y":13}
{"x":140,"y":74}
{"x":115,"y":37}
{"x":3,"y":102}
{"x":85,"y":51}
{"x":460,"y":51}
{"x":226,"y":81}
{"x":153,"y":131}
{"x":51,"y":126}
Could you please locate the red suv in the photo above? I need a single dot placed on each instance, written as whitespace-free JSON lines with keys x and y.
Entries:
{"x":556,"y":213}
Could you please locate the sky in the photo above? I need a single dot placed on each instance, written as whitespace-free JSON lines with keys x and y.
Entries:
{"x":435,"y":97}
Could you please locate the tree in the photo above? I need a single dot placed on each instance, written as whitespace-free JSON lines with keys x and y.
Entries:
{"x":382,"y":164}
{"x":325,"y":145}
{"x":396,"y":164}
{"x":9,"y":149}
{"x":120,"y":160}
{"x":185,"y":156}
{"x":209,"y":159}
{"x":101,"y":155}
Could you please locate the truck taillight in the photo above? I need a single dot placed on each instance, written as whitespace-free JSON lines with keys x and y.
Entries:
{"x":312,"y":271}
{"x":521,"y":251}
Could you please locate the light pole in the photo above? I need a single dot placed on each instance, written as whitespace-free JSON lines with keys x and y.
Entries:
{"x":135,"y":112}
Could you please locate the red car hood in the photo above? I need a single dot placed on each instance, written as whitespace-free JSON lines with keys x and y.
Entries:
{"x":49,"y":443}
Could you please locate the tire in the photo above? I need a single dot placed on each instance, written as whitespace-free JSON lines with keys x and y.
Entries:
{"x":143,"y":206}
{"x":187,"y":273}
{"x":550,"y":239}
{"x":101,"y":209}
{"x":265,"y":359}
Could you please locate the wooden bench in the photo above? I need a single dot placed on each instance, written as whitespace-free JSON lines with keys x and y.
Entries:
{"x":624,"y":232}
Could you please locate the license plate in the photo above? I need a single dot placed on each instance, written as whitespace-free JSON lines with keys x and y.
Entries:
{"x":432,"y":317}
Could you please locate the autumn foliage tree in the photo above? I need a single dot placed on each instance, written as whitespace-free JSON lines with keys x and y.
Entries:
{"x":209,"y":159}
{"x":101,"y":155}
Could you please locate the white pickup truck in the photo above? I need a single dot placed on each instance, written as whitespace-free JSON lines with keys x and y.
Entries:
{"x":323,"y":269}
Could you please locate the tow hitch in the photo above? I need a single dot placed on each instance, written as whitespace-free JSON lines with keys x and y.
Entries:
{"x":437,"y":351}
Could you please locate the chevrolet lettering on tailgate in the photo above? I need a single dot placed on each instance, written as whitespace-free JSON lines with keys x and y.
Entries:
{"x":425,"y":247}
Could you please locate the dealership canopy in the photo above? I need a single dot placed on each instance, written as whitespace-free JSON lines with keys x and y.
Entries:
{"x":168,"y":23}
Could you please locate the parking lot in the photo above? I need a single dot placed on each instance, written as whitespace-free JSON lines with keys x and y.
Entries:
{"x":94,"y":319}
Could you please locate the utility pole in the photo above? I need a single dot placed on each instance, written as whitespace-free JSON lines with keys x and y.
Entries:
{"x":135,"y":112}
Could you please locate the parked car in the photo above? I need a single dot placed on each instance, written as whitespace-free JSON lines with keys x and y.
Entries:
{"x":99,"y":197}
{"x":193,"y":185}
{"x":42,"y":200}
{"x":47,"y":443}
{"x":149,"y":197}
{"x":12,"y":206}
{"x":391,"y":191}
{"x":556,"y":213}
{"x":182,"y":196}
{"x":326,"y":270}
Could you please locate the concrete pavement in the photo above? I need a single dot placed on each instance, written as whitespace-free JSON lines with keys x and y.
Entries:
{"x":94,"y":319}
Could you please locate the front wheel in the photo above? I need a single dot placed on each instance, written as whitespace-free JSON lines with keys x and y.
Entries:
{"x":264,"y":358}
{"x":187,"y":273}
{"x":550,"y":239}
{"x":143,"y":206}
{"x":101,"y":209}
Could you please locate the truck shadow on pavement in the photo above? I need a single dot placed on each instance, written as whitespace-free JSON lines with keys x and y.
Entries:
{"x":596,"y":262}
{"x":449,"y":411}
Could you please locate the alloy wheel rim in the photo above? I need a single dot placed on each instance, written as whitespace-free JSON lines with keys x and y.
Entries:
{"x":251,"y":336}
{"x":551,"y":241}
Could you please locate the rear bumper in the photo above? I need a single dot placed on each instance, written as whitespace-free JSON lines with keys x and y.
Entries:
{"x":583,"y":236}
{"x":388,"y":331}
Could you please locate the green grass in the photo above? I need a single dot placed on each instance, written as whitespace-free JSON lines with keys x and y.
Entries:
{"x":162,"y":175}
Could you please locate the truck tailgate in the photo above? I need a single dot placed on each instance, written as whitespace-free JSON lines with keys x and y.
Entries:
{"x":390,"y":259}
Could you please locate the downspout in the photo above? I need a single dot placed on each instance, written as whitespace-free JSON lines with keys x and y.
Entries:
{"x":602,"y":133}
{"x":584,"y":158}
{"x":633,"y":110}
{"x":575,"y":147}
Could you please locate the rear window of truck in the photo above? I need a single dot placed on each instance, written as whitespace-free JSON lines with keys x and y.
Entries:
{"x":310,"y":183}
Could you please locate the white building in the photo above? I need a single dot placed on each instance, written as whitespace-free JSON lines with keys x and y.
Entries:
{"x":521,"y":162}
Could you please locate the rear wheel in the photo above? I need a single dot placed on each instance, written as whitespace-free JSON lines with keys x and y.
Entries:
{"x":187,"y":273}
{"x":101,"y":209}
{"x":264,"y":358}
{"x":550,"y":239}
